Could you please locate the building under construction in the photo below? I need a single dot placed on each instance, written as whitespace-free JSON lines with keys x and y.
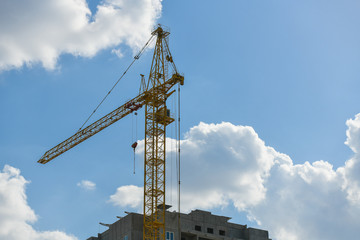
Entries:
{"x":197,"y":225}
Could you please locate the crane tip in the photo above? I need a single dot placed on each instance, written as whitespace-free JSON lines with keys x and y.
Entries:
{"x":42,"y":161}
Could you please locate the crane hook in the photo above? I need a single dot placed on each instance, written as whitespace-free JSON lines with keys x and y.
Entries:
{"x":134,"y":145}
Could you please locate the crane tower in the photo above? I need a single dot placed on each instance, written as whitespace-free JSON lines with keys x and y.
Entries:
{"x":153,"y":95}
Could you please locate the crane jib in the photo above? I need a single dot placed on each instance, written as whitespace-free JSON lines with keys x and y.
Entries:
{"x":127,"y":108}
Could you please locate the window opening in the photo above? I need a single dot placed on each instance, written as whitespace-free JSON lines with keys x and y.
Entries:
{"x":169,"y":235}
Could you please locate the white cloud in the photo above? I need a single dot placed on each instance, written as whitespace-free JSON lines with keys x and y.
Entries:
{"x":117,"y":52}
{"x":350,"y":172}
{"x":15,"y":214}
{"x":39,"y":31}
{"x":305,"y":201}
{"x":87,"y":185}
{"x":353,"y":133}
{"x":225,"y":164}
{"x":129,"y":195}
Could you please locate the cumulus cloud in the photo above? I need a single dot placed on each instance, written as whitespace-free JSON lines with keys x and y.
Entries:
{"x":353,"y":133}
{"x":350,"y":172}
{"x":15,"y":214}
{"x":129,"y":195}
{"x":87,"y":185}
{"x":38,"y":31}
{"x":306,"y":201}
{"x":226,"y":164}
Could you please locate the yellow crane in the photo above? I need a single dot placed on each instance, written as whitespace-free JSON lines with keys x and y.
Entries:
{"x":153,"y":95}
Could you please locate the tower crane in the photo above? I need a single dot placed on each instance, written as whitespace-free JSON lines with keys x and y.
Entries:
{"x":152,"y":96}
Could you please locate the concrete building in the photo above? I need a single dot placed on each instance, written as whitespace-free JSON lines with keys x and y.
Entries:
{"x":197,"y":225}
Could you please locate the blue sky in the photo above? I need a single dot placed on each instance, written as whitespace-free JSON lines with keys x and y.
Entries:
{"x":277,"y":77}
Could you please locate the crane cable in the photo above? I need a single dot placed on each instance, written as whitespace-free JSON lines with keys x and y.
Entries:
{"x":137,"y":56}
{"x":134,"y":145}
{"x":173,"y":149}
{"x":179,"y":167}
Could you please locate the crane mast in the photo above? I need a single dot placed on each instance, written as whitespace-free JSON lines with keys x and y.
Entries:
{"x":156,"y":119}
{"x":154,"y":95}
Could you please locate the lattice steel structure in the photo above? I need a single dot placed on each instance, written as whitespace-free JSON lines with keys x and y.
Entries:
{"x":153,"y":95}
{"x":156,"y":120}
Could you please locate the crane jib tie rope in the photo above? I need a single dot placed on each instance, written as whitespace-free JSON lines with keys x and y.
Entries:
{"x":137,"y":56}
